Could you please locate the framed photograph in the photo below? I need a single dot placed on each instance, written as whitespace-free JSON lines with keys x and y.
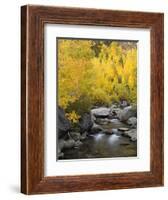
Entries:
{"x":92,"y":108}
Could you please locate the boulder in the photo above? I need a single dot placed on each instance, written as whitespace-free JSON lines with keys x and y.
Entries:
{"x":60,"y":154}
{"x":83,"y":136}
{"x":69,"y":143}
{"x":93,"y":118}
{"x":132,"y":134}
{"x":124,"y":104}
{"x":102,"y":121}
{"x":60,"y":148}
{"x":101,"y":112}
{"x":78,"y":143}
{"x":123,"y":129}
{"x":126,"y":113}
{"x":132,"y":121}
{"x":115,"y":123}
{"x":63,"y":123}
{"x":112,"y":116}
{"x":61,"y":144}
{"x":96,"y":128}
{"x":75,"y":135}
{"x":114,"y":110}
{"x":113,"y":106}
{"x":85,"y":123}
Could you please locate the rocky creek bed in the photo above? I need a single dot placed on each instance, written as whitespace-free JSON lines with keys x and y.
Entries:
{"x":104,"y":132}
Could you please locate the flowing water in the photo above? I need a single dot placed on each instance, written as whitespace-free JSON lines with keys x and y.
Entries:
{"x":101,"y":145}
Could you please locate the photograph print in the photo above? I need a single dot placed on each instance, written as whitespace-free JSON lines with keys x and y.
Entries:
{"x":96,"y":98}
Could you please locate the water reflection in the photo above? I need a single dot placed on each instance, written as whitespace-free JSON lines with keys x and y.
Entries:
{"x":113,"y":138}
{"x":98,"y":136}
{"x":103,"y":146}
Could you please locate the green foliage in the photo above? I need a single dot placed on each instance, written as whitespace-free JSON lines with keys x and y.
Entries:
{"x":95,"y":73}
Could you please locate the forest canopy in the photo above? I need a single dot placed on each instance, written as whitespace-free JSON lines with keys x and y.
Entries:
{"x":95,"y":73}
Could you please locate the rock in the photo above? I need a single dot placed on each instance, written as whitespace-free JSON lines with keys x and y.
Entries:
{"x":126,"y":113}
{"x":101,"y":112}
{"x":134,"y":138}
{"x":85,"y":123}
{"x":114,"y":121}
{"x":75,"y":135}
{"x":63,"y":123}
{"x":61,"y":144}
{"x":123,"y":129}
{"x":113,"y":106}
{"x":132,"y":121}
{"x":60,"y":147}
{"x":60,"y":155}
{"x":96,"y":129}
{"x":102,"y":121}
{"x":114,"y":110}
{"x":112,"y":116}
{"x":124,"y":104}
{"x":132,"y":134}
{"x":93,"y":118}
{"x":59,"y":150}
{"x":83,"y":136}
{"x":78,"y":143}
{"x":69,"y":143}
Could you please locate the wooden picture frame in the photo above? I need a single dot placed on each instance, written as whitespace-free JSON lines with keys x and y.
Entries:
{"x":33,"y":19}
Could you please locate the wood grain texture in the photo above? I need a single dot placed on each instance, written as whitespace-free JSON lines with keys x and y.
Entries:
{"x":33,"y":19}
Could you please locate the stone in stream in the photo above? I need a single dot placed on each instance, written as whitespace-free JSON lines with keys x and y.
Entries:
{"x":101,"y":112}
{"x":102,"y":121}
{"x":114,"y":110}
{"x":123,"y":129}
{"x":63,"y":144}
{"x":96,"y":129}
{"x":85,"y":123}
{"x":132,"y":121}
{"x":69,"y":143}
{"x":126,"y":113}
{"x":63,"y":123}
{"x":132,"y":134}
{"x":112,"y":116}
{"x":115,"y":121}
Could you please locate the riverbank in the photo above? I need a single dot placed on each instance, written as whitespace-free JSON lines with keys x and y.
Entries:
{"x":103,"y":132}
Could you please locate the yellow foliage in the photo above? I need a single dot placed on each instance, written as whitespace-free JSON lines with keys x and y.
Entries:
{"x":73,"y":65}
{"x":91,"y":73}
{"x":73,"y":116}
